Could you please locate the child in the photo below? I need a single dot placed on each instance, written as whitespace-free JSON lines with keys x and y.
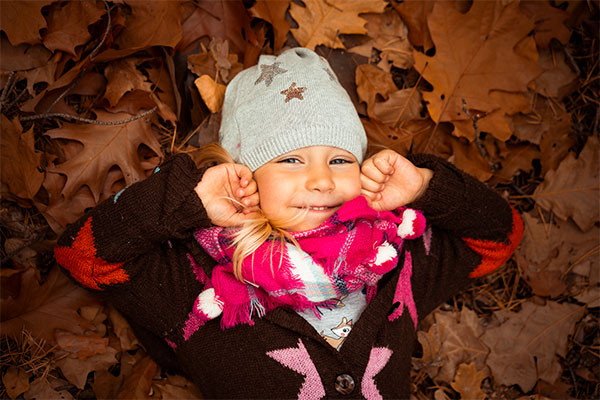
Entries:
{"x":320,"y":294}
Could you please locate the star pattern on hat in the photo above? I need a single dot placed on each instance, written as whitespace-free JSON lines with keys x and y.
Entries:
{"x":293,"y":92}
{"x":268,"y":72}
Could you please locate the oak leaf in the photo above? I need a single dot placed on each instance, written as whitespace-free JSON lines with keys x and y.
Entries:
{"x":19,"y":162}
{"x":138,"y":384}
{"x":16,"y":381}
{"x":45,"y":388}
{"x":123,"y":76}
{"x":22,"y":57}
{"x":460,"y":342}
{"x":42,"y":308}
{"x":370,"y":82}
{"x":414,"y":14}
{"x":388,"y":35}
{"x":212,"y":93}
{"x":525,"y":346}
{"x":68,"y":25}
{"x":432,"y":358}
{"x":104,"y":146}
{"x":475,"y":54}
{"x":77,"y":370}
{"x":574,"y":194}
{"x":402,"y":105}
{"x":558,"y":79}
{"x":23,"y":20}
{"x":549,"y":21}
{"x":321,"y":22}
{"x":467,"y":382}
{"x":274,"y":12}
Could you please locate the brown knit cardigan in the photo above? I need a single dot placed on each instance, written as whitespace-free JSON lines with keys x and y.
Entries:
{"x":137,"y":251}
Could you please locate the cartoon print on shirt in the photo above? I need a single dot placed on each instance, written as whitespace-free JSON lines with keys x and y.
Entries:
{"x":341,"y":332}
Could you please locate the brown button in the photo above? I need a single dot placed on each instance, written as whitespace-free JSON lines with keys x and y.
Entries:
{"x":344,"y":384}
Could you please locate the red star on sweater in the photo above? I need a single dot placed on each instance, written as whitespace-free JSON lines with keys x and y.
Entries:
{"x":81,"y":261}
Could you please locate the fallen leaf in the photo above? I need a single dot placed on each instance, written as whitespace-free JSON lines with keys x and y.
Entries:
{"x":41,"y":388}
{"x":104,"y":146}
{"x":137,"y":385}
{"x":123,"y":76}
{"x":402,"y":105}
{"x":432,"y":358}
{"x":558,"y":79}
{"x":574,"y":194}
{"x":19,"y":161}
{"x":370,"y":82}
{"x":549,"y":21}
{"x":323,"y":22}
{"x":212,"y":93}
{"x":460,"y":343}
{"x":123,"y":330}
{"x":22,"y":20}
{"x":524,"y":348}
{"x":475,"y":54}
{"x":22,"y":255}
{"x":16,"y":381}
{"x":76,"y":370}
{"x":387,"y":34}
{"x":68,"y":25}
{"x":274,"y":12}
{"x":22,"y":57}
{"x":414,"y":14}
{"x":42,"y":308}
{"x":82,"y":346}
{"x":468,"y":382}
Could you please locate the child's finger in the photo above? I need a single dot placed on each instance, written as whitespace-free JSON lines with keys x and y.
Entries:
{"x":251,"y":201}
{"x":373,"y":172}
{"x":371,"y":196}
{"x":244,"y":175}
{"x":383,"y":164}
{"x":248,"y":190}
{"x":370,"y":185}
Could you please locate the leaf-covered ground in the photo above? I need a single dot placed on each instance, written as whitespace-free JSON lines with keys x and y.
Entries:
{"x":95,"y":94}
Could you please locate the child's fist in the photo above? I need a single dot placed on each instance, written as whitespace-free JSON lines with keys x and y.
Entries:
{"x":228,"y":193}
{"x":390,"y":180}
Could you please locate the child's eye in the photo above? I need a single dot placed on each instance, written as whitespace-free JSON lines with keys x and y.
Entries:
{"x":289,"y":160}
{"x":340,"y":161}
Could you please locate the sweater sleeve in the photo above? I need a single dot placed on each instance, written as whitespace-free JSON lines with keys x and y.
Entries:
{"x":471,"y":231}
{"x":132,"y":223}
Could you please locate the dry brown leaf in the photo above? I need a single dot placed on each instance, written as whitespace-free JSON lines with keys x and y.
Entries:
{"x":370,"y":82}
{"x":381,"y":136}
{"x":22,"y":20}
{"x":323,"y":22}
{"x":22,"y":57}
{"x":402,"y":105}
{"x":475,"y":54}
{"x":460,"y":342}
{"x":468,"y":382}
{"x":549,"y":251}
{"x":44,"y":388}
{"x":388,"y":35}
{"x":274,"y":12}
{"x":123,"y":76}
{"x":77,"y":370}
{"x":123,"y":330}
{"x":414,"y":14}
{"x":549,"y":21}
{"x":212,"y":93}
{"x":524,"y":348}
{"x":104,"y":146}
{"x":138,"y":384}
{"x":81,"y":346}
{"x":23,"y":256}
{"x":572,"y":190}
{"x":68,"y":25}
{"x":43,"y":308}
{"x":16,"y":381}
{"x":432,"y":358}
{"x":19,"y":162}
{"x":558,"y":79}
{"x":164,"y":30}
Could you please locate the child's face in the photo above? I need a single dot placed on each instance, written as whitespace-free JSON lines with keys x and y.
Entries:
{"x":320,"y":178}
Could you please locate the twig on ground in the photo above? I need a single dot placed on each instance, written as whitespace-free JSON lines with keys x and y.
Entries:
{"x":87,"y":120}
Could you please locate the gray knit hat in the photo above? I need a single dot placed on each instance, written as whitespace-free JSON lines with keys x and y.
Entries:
{"x":285,"y":103}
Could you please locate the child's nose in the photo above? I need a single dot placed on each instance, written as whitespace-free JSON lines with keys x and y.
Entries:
{"x":320,"y":179}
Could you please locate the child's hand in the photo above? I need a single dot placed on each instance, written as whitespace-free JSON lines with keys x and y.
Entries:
{"x":228,"y":193}
{"x":390,"y":180}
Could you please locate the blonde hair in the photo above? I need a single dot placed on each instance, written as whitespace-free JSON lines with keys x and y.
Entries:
{"x":254,"y":231}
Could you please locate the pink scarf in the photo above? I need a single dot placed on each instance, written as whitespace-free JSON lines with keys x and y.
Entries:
{"x":351,"y":250}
